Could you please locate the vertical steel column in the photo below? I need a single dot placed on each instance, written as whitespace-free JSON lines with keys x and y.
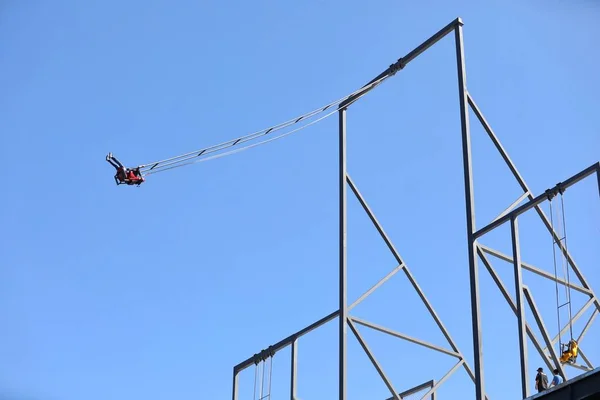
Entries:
{"x":598,"y":176}
{"x":235,"y":384}
{"x":519,"y":303}
{"x":294,"y":369}
{"x":343,"y":304}
{"x":470,"y":211}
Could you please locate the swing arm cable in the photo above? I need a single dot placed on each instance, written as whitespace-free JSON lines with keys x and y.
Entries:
{"x":174,"y":162}
{"x":555,"y":274}
{"x":255,"y":380}
{"x":568,"y":287}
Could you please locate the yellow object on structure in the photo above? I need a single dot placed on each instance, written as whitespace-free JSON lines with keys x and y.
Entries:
{"x":570,"y":354}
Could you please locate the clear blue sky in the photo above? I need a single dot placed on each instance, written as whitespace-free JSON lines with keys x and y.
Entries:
{"x":157,"y":292}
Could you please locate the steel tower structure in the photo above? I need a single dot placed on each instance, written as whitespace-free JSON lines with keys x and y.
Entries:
{"x":527,"y":201}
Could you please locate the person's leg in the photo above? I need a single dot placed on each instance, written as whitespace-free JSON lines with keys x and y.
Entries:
{"x":113,"y":161}
{"x":117,"y":162}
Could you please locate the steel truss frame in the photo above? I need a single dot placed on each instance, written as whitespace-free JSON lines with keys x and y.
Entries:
{"x":475,"y":250}
{"x":551,"y":358}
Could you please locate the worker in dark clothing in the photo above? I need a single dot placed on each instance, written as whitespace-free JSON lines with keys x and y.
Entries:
{"x":541,"y":380}
{"x":129,"y":176}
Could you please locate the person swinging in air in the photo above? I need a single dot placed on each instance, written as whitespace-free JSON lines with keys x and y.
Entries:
{"x":570,"y":352}
{"x":128,"y":176}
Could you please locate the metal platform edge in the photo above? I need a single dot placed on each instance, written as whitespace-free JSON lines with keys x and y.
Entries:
{"x":581,"y":387}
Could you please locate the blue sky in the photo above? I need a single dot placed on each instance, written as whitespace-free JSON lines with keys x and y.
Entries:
{"x":157,"y":292}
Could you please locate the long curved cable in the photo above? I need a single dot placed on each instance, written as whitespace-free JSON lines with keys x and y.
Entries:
{"x":270,"y":129}
{"x":230,"y":152}
{"x":181,"y":163}
{"x":159,"y":165}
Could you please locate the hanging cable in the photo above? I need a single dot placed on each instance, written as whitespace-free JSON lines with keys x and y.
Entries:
{"x":555,"y":275}
{"x":566,"y":263}
{"x":174,"y":162}
{"x":270,"y":374}
{"x":570,"y":351}
{"x":262,"y":380}
{"x":255,"y":380}
{"x":230,"y":152}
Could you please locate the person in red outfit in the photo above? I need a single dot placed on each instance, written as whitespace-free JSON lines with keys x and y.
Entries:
{"x":129,"y":176}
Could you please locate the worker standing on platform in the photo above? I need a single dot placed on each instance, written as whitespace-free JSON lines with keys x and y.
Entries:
{"x":557,"y":380}
{"x":541,"y":380}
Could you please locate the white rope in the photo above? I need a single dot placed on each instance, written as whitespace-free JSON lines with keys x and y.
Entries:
{"x":174,"y":162}
{"x":230,"y":152}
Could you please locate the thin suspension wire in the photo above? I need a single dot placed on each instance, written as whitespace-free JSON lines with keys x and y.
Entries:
{"x":555,"y":276}
{"x":270,"y":375}
{"x":275,"y":127}
{"x":255,"y":380}
{"x":213,"y":149}
{"x":180,"y":163}
{"x":262,"y":380}
{"x":157,"y":165}
{"x":566,"y":263}
{"x":230,"y":152}
{"x":561,"y":236}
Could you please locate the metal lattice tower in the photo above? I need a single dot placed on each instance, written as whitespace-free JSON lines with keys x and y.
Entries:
{"x":476,"y":251}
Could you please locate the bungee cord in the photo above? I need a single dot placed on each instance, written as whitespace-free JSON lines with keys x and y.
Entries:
{"x":201,"y":155}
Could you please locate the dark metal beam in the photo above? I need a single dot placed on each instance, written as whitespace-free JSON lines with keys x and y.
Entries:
{"x":294,"y":370}
{"x":374,"y":220}
{"x":343,"y":270}
{"x":535,"y":270}
{"x":405,"y":337}
{"x":235,"y":384}
{"x":402,"y":62}
{"x":524,"y":186}
{"x":516,"y":248}
{"x":497,"y":143}
{"x":598,"y":176}
{"x":288,"y":340}
{"x":536,"y":201}
{"x":470,"y":213}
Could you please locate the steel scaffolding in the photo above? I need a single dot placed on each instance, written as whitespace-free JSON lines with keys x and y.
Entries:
{"x":475,"y":251}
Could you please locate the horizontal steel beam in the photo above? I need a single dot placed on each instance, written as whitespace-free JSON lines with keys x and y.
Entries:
{"x":405,"y":337}
{"x":287,"y":341}
{"x":535,"y":270}
{"x":402,"y":62}
{"x":537,"y":200}
{"x":416,"y":389}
